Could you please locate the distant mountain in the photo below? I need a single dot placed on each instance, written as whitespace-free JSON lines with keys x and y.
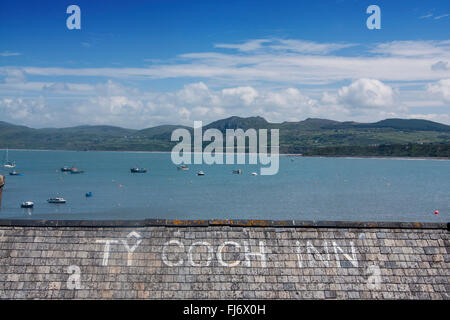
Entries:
{"x":408,"y":124}
{"x":310,"y":136}
{"x":238,"y":122}
{"x":309,"y":124}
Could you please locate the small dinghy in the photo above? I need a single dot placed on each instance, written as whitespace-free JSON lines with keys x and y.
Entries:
{"x":56,"y":200}
{"x":183,"y":167}
{"x":238,"y":171}
{"x":15,"y":173}
{"x":200,"y":173}
{"x":254,"y":174}
{"x":27,"y":204}
{"x":138,"y":170}
{"x":66,"y":169}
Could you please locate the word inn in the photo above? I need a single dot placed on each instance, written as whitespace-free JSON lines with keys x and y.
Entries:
{"x":234,"y":139}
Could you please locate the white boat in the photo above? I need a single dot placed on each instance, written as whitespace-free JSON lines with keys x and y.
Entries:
{"x":56,"y":200}
{"x":183,"y":167}
{"x":27,"y":204}
{"x":254,"y":174}
{"x":200,"y":173}
{"x":238,"y":171}
{"x":9,"y":164}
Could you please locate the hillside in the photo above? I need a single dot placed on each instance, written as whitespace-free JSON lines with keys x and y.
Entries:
{"x":310,"y":136}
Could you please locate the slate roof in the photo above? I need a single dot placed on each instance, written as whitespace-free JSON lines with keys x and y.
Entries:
{"x":176,"y":259}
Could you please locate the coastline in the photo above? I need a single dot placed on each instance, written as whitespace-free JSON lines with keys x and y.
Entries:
{"x":281,"y":154}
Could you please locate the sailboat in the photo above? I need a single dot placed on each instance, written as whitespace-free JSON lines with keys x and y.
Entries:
{"x":9,"y":164}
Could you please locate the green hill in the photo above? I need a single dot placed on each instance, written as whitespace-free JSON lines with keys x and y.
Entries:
{"x":390,"y":137}
{"x":408,"y":124}
{"x":238,"y":122}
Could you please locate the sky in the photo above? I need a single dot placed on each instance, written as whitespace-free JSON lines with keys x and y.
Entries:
{"x":138,"y":64}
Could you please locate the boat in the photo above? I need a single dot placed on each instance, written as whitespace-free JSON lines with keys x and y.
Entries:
{"x":200,"y":173}
{"x":66,"y":169}
{"x":76,"y":171}
{"x":15,"y":173}
{"x":254,"y":174}
{"x":183,"y":167}
{"x":9,"y":164}
{"x":88,"y":194}
{"x":56,"y":200}
{"x":27,"y":204}
{"x":138,"y":170}
{"x":238,"y":171}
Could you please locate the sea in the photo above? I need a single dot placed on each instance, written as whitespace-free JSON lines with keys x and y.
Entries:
{"x":305,"y":188}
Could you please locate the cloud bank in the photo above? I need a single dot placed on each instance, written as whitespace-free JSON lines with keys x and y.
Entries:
{"x":279,"y":79}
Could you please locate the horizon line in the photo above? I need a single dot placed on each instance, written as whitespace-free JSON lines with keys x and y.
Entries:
{"x":186,"y":126}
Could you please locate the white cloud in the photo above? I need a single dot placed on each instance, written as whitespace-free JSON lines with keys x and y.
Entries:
{"x":367,"y":93}
{"x":309,"y":47}
{"x":299,"y":46}
{"x":19,"y":109}
{"x":246,"y":46}
{"x":413,"y":48}
{"x":440,"y":89}
{"x":115,"y":104}
{"x":267,"y":77}
{"x":286,"y":62}
{"x":442,"y":16}
{"x":9,"y":54}
{"x":247,"y":95}
{"x":429,"y":15}
{"x":14,"y":76}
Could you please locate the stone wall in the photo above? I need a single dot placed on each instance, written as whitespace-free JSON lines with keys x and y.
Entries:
{"x":159,"y":259}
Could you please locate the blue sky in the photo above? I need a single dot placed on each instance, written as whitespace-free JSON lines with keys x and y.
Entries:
{"x":143,"y":63}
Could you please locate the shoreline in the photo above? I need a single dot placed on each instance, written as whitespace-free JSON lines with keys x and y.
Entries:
{"x":299,"y":155}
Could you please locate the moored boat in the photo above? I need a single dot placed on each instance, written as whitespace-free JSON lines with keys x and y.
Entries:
{"x":138,"y":170}
{"x":15,"y":173}
{"x":183,"y":167}
{"x":200,"y":173}
{"x":27,"y":204}
{"x":238,"y":171}
{"x":66,"y":169}
{"x":9,"y":164}
{"x":56,"y":200}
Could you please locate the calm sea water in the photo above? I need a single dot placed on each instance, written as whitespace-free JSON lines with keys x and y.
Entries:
{"x":304,"y":189}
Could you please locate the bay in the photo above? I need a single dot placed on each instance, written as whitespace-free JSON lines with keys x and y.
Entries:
{"x":305,"y":188}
